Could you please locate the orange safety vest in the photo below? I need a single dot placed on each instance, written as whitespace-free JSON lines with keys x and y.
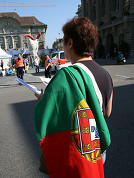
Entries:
{"x":19,"y":63}
{"x":46,"y":63}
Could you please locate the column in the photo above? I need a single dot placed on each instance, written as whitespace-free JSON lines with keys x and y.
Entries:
{"x":131,"y":6}
{"x":108,"y":9}
{"x":12,"y":42}
{"x":121,"y":6}
{"x":90,"y":9}
{"x":82,"y":7}
{"x":43,"y":40}
{"x":21,"y":42}
{"x":98,"y":11}
{"x":5,"y":42}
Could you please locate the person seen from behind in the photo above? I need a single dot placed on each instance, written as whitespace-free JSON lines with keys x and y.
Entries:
{"x":69,"y":116}
{"x":36,"y":64}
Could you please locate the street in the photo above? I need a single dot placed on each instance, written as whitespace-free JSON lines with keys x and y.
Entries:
{"x":19,"y":149}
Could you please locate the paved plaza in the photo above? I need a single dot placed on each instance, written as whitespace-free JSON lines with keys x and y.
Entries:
{"x":19,"y":149}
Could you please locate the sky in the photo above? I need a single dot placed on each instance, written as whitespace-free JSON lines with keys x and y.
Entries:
{"x":54,"y":17}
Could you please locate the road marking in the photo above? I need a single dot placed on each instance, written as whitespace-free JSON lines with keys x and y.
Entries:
{"x":117,"y":80}
{"x":122,"y":76}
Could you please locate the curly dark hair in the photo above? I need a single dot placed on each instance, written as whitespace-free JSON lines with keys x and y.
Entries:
{"x":84,"y":35}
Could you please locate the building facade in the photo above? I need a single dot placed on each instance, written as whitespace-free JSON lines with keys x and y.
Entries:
{"x":115,"y":21}
{"x":13,"y":27}
{"x":58,"y":44}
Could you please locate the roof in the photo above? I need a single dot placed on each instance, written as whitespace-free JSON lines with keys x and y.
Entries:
{"x":28,"y":20}
{"x":3,"y":54}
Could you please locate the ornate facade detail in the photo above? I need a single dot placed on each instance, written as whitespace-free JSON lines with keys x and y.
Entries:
{"x":115,"y":21}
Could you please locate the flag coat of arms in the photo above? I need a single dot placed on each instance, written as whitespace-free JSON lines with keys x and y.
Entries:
{"x":70,"y":126}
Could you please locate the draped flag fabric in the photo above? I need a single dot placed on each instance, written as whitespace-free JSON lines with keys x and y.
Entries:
{"x":70,"y":126}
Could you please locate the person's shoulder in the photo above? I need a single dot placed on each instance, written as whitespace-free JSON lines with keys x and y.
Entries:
{"x":100,"y":68}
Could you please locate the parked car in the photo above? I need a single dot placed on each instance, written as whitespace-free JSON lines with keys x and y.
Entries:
{"x":58,"y":58}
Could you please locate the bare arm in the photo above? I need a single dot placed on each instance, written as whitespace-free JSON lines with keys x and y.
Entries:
{"x":109,"y":106}
{"x":48,"y":65}
{"x":39,"y":96}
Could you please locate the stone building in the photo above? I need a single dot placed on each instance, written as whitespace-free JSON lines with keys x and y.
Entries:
{"x":58,"y":44}
{"x":13,"y":27}
{"x":115,"y":21}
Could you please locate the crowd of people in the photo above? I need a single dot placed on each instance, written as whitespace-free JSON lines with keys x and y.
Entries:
{"x":6,"y":71}
{"x":21,"y":66}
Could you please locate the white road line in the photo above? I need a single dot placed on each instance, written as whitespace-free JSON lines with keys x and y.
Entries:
{"x":122,"y":76}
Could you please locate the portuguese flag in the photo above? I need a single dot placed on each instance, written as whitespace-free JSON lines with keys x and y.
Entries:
{"x":70,"y":126}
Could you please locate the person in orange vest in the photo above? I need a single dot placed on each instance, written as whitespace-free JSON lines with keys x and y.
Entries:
{"x":48,"y":67}
{"x":20,"y":65}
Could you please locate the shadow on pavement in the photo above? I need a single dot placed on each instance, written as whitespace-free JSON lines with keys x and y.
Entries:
{"x":120,"y":155}
{"x":7,"y":86}
{"x":25,"y":119}
{"x":41,"y":73}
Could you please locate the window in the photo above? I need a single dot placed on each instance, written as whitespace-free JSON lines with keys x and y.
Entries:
{"x":62,"y":55}
{"x":33,"y":30}
{"x":39,"y":29}
{"x":16,"y":38}
{"x":7,"y":30}
{"x":40,"y":37}
{"x":9,"y":39}
{"x":7,"y":24}
{"x":24,"y":30}
{"x":54,"y":56}
{"x":34,"y":36}
{"x":25,"y":45}
{"x":40,"y":45}
{"x":16,"y":31}
{"x":25,"y":38}
{"x":17,"y":45}
{"x":1,"y":38}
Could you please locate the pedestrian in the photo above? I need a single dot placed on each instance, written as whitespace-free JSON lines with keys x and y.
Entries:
{"x":27,"y":64}
{"x":36,"y":64}
{"x":48,"y":67}
{"x":106,"y":54}
{"x":115,"y":53}
{"x":20,"y":65}
{"x":69,"y":116}
{"x":2,"y":64}
{"x":3,"y":72}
